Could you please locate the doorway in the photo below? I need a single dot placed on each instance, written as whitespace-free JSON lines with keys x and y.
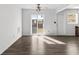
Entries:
{"x":37,"y":24}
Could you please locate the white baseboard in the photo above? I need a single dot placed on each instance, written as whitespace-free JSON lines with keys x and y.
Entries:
{"x":14,"y":40}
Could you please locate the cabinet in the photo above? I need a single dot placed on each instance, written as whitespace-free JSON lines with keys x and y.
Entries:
{"x":76,"y":30}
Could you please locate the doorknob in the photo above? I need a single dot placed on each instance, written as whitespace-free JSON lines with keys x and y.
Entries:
{"x":54,"y":22}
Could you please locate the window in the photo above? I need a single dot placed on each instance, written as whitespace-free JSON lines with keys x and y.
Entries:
{"x":72,"y":18}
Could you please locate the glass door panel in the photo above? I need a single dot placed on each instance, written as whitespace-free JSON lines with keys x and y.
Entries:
{"x":40,"y":26}
{"x":34,"y":26}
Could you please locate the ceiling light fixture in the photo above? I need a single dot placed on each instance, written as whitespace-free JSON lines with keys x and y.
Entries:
{"x":38,"y":8}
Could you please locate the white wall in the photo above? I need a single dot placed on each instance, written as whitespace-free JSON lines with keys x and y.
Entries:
{"x":60,"y":24}
{"x":10,"y":25}
{"x":49,"y":26}
{"x":50,"y":17}
{"x":63,"y":27}
{"x":26,"y":22}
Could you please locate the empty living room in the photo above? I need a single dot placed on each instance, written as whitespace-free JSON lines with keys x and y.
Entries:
{"x":39,"y":29}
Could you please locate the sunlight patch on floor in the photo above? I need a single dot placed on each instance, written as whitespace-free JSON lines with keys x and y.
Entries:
{"x":48,"y":40}
{"x":54,"y":40}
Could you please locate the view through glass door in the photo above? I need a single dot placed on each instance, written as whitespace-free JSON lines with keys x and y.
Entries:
{"x":37,"y":24}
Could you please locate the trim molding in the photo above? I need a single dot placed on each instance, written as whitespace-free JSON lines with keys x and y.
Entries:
{"x":52,"y":35}
{"x":17,"y":38}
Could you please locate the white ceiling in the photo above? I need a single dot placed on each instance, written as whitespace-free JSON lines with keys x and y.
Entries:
{"x":57,"y":7}
{"x":44,"y":6}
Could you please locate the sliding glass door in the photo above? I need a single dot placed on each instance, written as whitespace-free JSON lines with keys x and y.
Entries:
{"x":37,"y":24}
